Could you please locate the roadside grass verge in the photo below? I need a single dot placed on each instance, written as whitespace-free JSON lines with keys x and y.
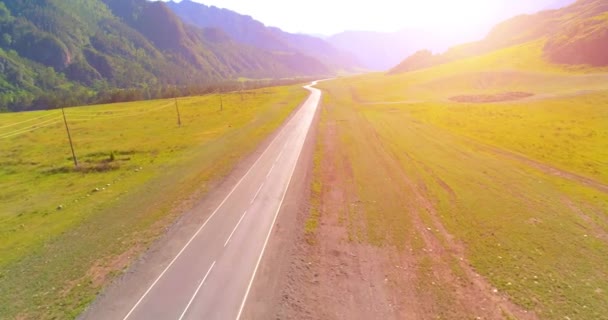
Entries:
{"x":65,"y":232}
{"x":312,"y":222}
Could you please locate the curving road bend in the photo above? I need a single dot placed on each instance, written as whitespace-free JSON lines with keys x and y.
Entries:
{"x":211,"y":275}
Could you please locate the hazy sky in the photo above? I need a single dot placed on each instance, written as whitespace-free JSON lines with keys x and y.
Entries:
{"x":333,"y":16}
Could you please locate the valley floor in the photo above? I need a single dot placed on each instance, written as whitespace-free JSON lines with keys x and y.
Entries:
{"x":65,"y":234}
{"x":409,"y":219}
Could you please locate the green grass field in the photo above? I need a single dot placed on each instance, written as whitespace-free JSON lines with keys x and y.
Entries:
{"x":504,"y":179}
{"x":65,"y":232}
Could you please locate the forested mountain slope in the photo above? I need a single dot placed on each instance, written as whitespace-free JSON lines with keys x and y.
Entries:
{"x":63,"y":52}
{"x":249,"y":31}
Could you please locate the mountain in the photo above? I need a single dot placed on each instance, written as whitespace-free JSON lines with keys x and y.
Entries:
{"x":382,"y":50}
{"x":582,"y":37}
{"x":246,"y":30}
{"x":557,"y":4}
{"x":61,"y":52}
{"x":575,"y":35}
{"x":376,"y":50}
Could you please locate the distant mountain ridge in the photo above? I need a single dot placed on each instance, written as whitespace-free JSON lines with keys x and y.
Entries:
{"x":576,"y":35}
{"x":249,"y":31}
{"x":381,"y":51}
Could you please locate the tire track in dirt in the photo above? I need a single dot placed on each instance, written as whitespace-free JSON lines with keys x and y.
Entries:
{"x":473,"y":294}
{"x":338,"y":277}
{"x":543,"y":167}
{"x":597,"y":230}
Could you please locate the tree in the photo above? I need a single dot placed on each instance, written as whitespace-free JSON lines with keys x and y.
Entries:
{"x":4,"y":12}
{"x":7,"y":40}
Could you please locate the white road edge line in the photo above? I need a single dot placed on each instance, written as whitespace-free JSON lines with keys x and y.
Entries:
{"x":204,"y":224}
{"x":234,"y":230}
{"x":293,"y":169}
{"x":257,"y":193}
{"x":197,"y":290}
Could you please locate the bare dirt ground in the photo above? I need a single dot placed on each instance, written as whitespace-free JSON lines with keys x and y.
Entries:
{"x":330,"y":276}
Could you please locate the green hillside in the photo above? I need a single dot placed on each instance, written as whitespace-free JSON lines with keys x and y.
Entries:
{"x":76,"y":51}
{"x":575,"y":35}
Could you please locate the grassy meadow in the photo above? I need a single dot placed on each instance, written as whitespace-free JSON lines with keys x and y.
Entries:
{"x":515,"y":191}
{"x":65,"y":232}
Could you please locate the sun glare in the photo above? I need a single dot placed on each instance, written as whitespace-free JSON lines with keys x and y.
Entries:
{"x":444,"y":13}
{"x":330,"y":17}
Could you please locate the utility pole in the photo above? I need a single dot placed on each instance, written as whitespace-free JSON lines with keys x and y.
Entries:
{"x":221,"y":100}
{"x":242,"y":85}
{"x":67,"y":129}
{"x":179,"y":117}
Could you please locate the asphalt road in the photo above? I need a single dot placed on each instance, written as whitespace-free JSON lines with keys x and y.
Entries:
{"x":211,"y":275}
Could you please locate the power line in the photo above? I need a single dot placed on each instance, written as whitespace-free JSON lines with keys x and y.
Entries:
{"x":93,"y":116}
{"x":10,"y":133}
{"x":19,"y":132}
{"x":46,"y":123}
{"x":28,"y":120}
{"x":105,"y":112}
{"x":83,"y":110}
{"x":79,"y":113}
{"x":49,"y":122}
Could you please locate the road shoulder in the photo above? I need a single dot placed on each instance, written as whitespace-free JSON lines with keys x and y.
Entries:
{"x":275,"y":270}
